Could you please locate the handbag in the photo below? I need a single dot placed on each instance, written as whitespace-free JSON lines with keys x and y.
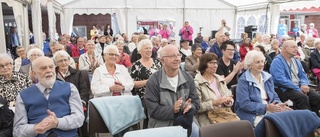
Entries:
{"x":221,"y":115}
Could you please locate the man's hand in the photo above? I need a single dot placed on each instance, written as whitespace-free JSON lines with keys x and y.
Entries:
{"x":305,"y":89}
{"x":177,"y":105}
{"x":187,"y":106}
{"x":47,"y":123}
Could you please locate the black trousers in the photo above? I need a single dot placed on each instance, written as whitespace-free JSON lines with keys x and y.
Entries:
{"x":310,"y":101}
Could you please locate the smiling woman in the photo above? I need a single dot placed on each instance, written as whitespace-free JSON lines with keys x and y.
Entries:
{"x":11,"y":83}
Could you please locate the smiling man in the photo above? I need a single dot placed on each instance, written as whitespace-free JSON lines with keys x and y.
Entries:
{"x":50,"y":108}
{"x":171,"y":92}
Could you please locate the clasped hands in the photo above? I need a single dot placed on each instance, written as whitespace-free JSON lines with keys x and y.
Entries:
{"x":47,"y":123}
{"x":186,"y":107}
{"x":273,"y":107}
{"x":117,"y":87}
{"x":226,"y":100}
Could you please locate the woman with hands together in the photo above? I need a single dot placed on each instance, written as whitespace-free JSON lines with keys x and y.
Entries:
{"x":212,"y":90}
{"x":255,"y":91}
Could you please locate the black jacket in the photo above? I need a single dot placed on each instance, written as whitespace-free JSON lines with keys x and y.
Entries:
{"x":78,"y":80}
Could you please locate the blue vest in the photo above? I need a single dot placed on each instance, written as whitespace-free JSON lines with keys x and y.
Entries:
{"x":37,"y":105}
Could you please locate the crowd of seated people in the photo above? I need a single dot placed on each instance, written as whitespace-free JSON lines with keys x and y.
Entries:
{"x":269,"y":73}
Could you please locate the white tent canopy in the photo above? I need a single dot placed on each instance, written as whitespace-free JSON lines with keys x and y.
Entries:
{"x":202,"y":13}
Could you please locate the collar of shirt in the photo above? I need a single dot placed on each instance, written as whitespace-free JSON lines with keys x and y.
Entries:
{"x":41,"y":87}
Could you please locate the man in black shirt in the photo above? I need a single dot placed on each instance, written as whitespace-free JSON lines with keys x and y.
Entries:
{"x":227,"y":67}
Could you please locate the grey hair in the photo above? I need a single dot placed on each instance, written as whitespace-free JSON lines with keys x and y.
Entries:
{"x":273,"y":41}
{"x":34,"y":50}
{"x":153,"y":38}
{"x":265,"y":36}
{"x":309,"y":39}
{"x":119,"y":42}
{"x":304,"y":25}
{"x":60,"y":53}
{"x":143,"y":43}
{"x":6,"y":56}
{"x":316,"y":41}
{"x":164,"y":40}
{"x":110,"y":47}
{"x":251,"y":55}
{"x":311,"y":24}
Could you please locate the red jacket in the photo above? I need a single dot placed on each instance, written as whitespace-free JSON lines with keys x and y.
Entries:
{"x":76,"y":52}
{"x":125,"y":60}
{"x":243,"y":51}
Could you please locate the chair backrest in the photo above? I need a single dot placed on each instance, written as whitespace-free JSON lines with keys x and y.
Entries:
{"x":241,"y":128}
{"x":272,"y":131}
{"x":96,"y":124}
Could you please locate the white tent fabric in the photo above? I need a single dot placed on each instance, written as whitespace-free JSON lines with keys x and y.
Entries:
{"x":206,"y":14}
{"x":37,"y":22}
{"x":299,"y":5}
{"x":2,"y":42}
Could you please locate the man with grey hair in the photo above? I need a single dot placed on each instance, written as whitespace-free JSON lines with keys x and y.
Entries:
{"x":308,"y":48}
{"x":291,"y":81}
{"x":205,"y":43}
{"x":302,"y":30}
{"x":171,"y":93}
{"x":49,"y":108}
{"x":215,"y":48}
{"x":312,"y":32}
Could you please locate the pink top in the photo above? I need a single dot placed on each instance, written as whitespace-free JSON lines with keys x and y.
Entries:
{"x":215,"y":88}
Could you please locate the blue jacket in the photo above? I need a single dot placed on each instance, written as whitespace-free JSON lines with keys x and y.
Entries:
{"x":281,"y":74}
{"x":248,"y":97}
{"x":216,"y":50}
{"x":204,"y":46}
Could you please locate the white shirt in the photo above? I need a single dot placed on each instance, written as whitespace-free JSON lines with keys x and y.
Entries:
{"x":102,"y":80}
{"x":186,"y":52}
{"x":173,"y":82}
{"x":132,"y":46}
{"x":84,"y":61}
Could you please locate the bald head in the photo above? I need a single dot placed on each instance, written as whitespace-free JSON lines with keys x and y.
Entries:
{"x":289,"y":43}
{"x":40,"y":60}
{"x":166,"y":49}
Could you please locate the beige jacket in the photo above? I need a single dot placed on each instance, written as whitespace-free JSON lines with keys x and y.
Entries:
{"x":206,"y":95}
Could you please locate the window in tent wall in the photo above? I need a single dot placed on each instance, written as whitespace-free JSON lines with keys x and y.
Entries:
{"x":263,"y":24}
{"x":251,"y":21}
{"x":240,"y":27}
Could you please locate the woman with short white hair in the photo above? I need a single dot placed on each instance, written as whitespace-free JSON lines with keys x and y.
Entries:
{"x":255,"y":94}
{"x":11,"y":82}
{"x":124,"y":58}
{"x":91,"y":59}
{"x":111,"y":79}
{"x":142,"y":69}
{"x":312,"y":32}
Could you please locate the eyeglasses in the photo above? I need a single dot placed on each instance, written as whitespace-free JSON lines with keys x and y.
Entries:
{"x":230,"y":49}
{"x":20,"y":51}
{"x":5,"y":65}
{"x":213,"y":62}
{"x":113,"y":54}
{"x":173,"y":56}
{"x":35,"y":55}
{"x":62,"y":60}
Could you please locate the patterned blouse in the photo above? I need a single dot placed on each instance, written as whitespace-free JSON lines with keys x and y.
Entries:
{"x":9,"y":89}
{"x":140,"y":72}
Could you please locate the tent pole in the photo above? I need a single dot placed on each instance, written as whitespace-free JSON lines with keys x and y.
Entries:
{"x":3,"y":48}
{"x":184,"y":11}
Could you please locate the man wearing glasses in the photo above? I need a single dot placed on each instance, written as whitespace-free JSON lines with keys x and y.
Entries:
{"x":291,"y":80}
{"x":21,"y":60}
{"x":171,"y":92}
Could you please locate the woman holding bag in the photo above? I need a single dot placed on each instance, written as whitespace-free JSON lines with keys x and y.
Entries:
{"x":215,"y":98}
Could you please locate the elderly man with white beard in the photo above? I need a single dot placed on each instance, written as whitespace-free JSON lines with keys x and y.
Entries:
{"x":50,"y":108}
